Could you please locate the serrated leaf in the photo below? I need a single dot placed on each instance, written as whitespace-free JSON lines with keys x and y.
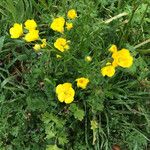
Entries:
{"x":62,"y":139}
{"x":36,"y":103}
{"x":49,"y":133}
{"x":94,"y":124}
{"x":46,"y":117}
{"x":78,"y":113}
{"x":53,"y":147}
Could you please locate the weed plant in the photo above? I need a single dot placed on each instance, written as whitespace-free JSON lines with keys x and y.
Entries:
{"x":111,"y":113}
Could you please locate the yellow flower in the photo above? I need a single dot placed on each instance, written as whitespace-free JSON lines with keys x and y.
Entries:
{"x":108,"y":70}
{"x":30,"y":24}
{"x":82,"y":82}
{"x":88,"y":58}
{"x":16,"y":31}
{"x":122,"y":58}
{"x":58,"y":24}
{"x":65,"y":93}
{"x":69,"y":26}
{"x":61,"y":44}
{"x":114,"y":63}
{"x":37,"y":47}
{"x":33,"y":35}
{"x":44,"y":43}
{"x":71,"y":14}
{"x":113,"y":48}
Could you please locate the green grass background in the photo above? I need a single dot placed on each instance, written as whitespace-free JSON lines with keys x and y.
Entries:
{"x":31,"y":117}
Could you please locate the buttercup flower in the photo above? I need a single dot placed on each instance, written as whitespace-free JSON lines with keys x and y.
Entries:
{"x":58,"y":24}
{"x":108,"y":70}
{"x":113,"y":48}
{"x":122,"y":58}
{"x":44,"y":43}
{"x":33,"y":35}
{"x":65,"y":93}
{"x":82,"y":82}
{"x":71,"y":14}
{"x":114,"y":63}
{"x":61,"y":44}
{"x":88,"y":58}
{"x":30,"y":24}
{"x":69,"y":26}
{"x":16,"y":31}
{"x":37,"y":47}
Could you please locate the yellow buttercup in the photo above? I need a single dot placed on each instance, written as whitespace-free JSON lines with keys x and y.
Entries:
{"x":65,"y":93}
{"x":16,"y":31}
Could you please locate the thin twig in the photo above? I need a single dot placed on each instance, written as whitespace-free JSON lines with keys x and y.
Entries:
{"x":127,"y":26}
{"x":141,"y":44}
{"x":116,"y":17}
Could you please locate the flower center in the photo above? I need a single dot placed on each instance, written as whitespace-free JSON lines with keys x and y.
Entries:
{"x":80,"y":81}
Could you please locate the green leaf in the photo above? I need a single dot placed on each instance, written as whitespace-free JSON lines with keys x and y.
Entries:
{"x":2,"y":42}
{"x":36,"y":102}
{"x":46,"y":117}
{"x":49,"y":132}
{"x":2,"y":98}
{"x":53,"y":147}
{"x":15,"y":131}
{"x":78,"y":113}
{"x":94,"y":124}
{"x":63,"y":139}
{"x":7,"y":80}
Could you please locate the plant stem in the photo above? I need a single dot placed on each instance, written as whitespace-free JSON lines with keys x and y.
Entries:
{"x":141,"y":44}
{"x":126,"y":26}
{"x":86,"y":137}
{"x":116,"y":17}
{"x":141,"y":22}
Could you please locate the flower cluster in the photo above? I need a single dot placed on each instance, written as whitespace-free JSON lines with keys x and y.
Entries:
{"x":121,"y":58}
{"x":59,"y":25}
{"x":66,"y":93}
{"x":37,"y":47}
{"x":31,"y":33}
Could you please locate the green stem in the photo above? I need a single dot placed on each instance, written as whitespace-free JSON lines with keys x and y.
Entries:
{"x":141,"y":22}
{"x":126,"y":26}
{"x":143,"y":51}
{"x":119,"y":3}
{"x":86,"y":137}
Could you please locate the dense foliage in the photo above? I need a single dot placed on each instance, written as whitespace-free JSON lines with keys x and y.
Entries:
{"x":109,"y":112}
